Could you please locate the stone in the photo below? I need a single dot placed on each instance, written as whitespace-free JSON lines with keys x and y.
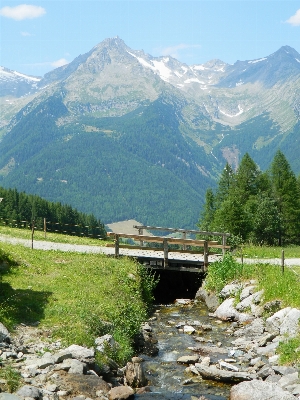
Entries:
{"x":188,"y":329}
{"x":61,"y":356}
{"x":249,"y":301}
{"x":227,"y":312}
{"x":188,"y":359}
{"x":230,"y":290}
{"x":284,"y":370}
{"x":252,"y":330}
{"x":220,"y":375}
{"x":80,"y":352}
{"x":135,"y":375}
{"x":121,"y":393}
{"x":210,"y":299}
{"x":285,"y":321}
{"x":227,"y":366}
{"x":289,"y":379}
{"x":29,"y":391}
{"x":4,"y":334}
{"x":247,"y":291}
{"x":259,"y":390}
{"x":8,"y":396}
{"x":103,"y":342}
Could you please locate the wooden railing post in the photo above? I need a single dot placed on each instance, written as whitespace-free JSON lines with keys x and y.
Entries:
{"x":140,"y":233}
{"x":117,"y":245}
{"x":282,"y":261}
{"x":224,"y":244}
{"x":205,"y":255}
{"x":184,"y":237}
{"x":165,"y":242}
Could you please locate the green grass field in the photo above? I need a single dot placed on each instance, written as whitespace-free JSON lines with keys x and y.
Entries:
{"x":74,"y":294}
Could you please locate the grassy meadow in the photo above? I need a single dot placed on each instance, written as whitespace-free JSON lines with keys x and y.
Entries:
{"x":74,"y":294}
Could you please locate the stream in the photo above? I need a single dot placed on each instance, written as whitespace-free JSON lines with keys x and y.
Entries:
{"x":168,"y":379}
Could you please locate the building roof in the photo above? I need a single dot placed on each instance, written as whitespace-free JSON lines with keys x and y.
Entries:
{"x":127,"y":227}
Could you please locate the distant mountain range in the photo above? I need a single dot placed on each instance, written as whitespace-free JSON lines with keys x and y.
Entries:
{"x":124,"y":135}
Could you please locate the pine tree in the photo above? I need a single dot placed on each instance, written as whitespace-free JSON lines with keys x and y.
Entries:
{"x":287,"y":197}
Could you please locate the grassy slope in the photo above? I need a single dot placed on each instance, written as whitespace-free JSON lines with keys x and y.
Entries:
{"x":73,"y":294}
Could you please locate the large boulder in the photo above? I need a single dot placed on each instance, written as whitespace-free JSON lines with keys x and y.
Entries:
{"x":259,"y":390}
{"x":285,"y":321}
{"x":134,"y":373}
{"x":209,"y":298}
{"x":227,"y":312}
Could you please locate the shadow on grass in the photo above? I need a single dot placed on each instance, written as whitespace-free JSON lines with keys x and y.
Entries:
{"x":18,"y":305}
{"x":21,"y":305}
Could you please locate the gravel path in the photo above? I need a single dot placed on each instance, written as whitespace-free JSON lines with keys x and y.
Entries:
{"x":78,"y":248}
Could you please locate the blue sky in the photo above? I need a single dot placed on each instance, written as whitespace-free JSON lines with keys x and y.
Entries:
{"x":37,"y":36}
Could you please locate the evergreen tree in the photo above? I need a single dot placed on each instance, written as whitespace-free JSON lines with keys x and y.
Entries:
{"x":225,"y":183}
{"x":207,"y":215}
{"x":287,"y":197}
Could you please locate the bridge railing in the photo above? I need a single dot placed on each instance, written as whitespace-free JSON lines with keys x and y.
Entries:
{"x":166,"y":241}
{"x":184,"y":232}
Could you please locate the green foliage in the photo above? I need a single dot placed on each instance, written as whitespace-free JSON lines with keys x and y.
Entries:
{"x":81,"y":295}
{"x":12,"y":378}
{"x":17,"y":207}
{"x":263,"y":208}
{"x":222,"y":272}
{"x":289,"y":351}
{"x":135,"y":166}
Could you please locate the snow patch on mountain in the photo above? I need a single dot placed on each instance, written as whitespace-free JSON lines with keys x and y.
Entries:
{"x":256,"y":61}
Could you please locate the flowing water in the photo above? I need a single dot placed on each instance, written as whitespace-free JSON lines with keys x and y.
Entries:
{"x":168,"y":380}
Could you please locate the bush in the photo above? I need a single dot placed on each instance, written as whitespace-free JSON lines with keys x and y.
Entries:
{"x":222,"y":272}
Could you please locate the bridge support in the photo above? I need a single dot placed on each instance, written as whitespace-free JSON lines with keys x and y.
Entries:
{"x":165,"y":242}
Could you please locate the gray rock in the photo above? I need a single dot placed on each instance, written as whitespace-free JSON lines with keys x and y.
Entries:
{"x":4,"y":334}
{"x":210,"y":299}
{"x":269,"y":350}
{"x":81,"y":353}
{"x":61,"y":356}
{"x":227,"y":312}
{"x":273,"y":378}
{"x":265,"y":371}
{"x":285,"y":321}
{"x":188,"y":359}
{"x":247,"y":291}
{"x":105,"y":341}
{"x":284,"y":370}
{"x":134,"y":374}
{"x":259,"y":390}
{"x":252,"y":330}
{"x":289,"y":379}
{"x":121,"y":393}
{"x":29,"y":391}
{"x":230,"y":290}
{"x":220,"y":375}
{"x":249,"y":301}
{"x":8,"y":396}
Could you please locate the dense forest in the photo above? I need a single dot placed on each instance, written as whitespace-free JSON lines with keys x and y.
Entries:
{"x":21,"y":209}
{"x":260,"y":207}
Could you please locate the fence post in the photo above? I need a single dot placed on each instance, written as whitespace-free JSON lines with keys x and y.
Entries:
{"x":32,"y":233}
{"x":45,"y":228}
{"x":282,"y":261}
{"x":205,"y":255}
{"x":140,"y":233}
{"x":117,"y":246}
{"x":165,"y":242}
{"x":224,"y":244}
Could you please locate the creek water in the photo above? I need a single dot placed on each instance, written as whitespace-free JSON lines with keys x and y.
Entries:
{"x":168,"y":379}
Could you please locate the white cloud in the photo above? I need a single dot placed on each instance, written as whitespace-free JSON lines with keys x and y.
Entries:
{"x":294,"y":19}
{"x":26,"y":34}
{"x":59,"y":63}
{"x":174,"y":51}
{"x":23,"y":11}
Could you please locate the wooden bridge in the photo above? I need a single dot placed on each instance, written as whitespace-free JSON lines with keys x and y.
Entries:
{"x":169,"y":252}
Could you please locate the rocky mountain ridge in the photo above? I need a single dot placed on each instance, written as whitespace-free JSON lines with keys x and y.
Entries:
{"x":182,"y":121}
